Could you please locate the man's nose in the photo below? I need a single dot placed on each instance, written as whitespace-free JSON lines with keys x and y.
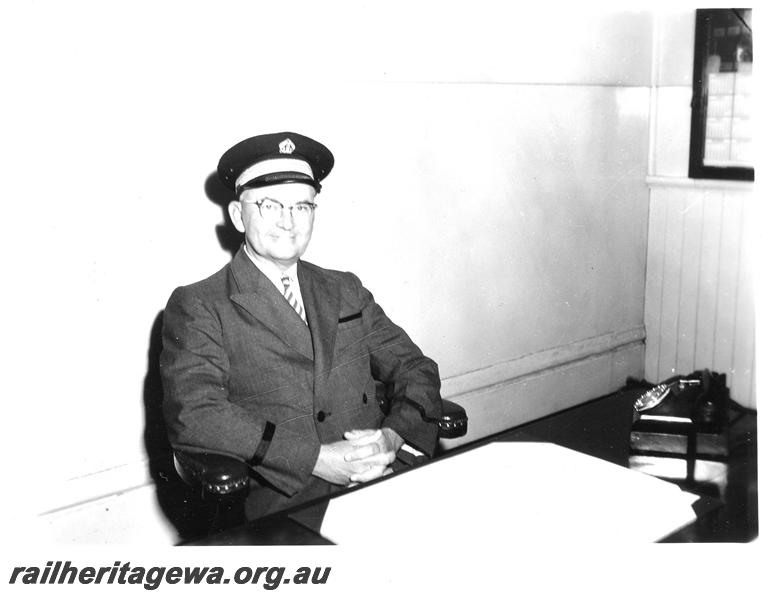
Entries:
{"x":286,"y":220}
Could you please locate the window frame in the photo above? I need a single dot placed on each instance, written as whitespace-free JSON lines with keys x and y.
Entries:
{"x":696,"y":167}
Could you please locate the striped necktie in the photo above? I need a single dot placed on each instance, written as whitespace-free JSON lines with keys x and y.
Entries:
{"x":293,"y":302}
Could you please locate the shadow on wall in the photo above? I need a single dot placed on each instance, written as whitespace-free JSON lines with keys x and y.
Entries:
{"x":181,"y":506}
{"x":229,"y":238}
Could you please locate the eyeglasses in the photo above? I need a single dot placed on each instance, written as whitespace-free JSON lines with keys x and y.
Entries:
{"x":273,"y":209}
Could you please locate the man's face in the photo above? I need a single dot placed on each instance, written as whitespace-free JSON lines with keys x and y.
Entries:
{"x":280,"y":236}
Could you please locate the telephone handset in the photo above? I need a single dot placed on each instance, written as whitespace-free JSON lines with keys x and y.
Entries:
{"x":701,"y":398}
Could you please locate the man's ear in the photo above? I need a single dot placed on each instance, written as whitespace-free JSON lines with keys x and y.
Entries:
{"x":235,"y":211}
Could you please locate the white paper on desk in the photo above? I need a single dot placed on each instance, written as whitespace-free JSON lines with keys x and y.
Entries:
{"x":521,"y":491}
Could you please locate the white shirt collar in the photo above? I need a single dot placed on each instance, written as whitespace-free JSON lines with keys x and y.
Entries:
{"x":271,"y":270}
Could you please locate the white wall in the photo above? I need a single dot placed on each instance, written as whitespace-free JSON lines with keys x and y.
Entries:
{"x":699,"y":306}
{"x":489,"y":188}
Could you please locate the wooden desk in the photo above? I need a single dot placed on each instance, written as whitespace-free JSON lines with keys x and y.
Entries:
{"x":599,"y":428}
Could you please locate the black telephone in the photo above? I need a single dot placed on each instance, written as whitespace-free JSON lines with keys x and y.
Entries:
{"x":700,"y":398}
{"x":680,"y":431}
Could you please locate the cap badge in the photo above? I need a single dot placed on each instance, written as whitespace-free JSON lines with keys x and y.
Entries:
{"x":286,"y":147}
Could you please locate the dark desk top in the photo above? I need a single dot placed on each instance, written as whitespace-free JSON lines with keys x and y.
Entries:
{"x":599,"y":428}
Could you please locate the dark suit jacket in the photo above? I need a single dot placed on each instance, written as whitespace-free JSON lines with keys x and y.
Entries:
{"x":245,"y":376}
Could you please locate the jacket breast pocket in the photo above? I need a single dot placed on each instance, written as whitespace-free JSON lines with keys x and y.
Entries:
{"x":351,"y":318}
{"x":350,"y":334}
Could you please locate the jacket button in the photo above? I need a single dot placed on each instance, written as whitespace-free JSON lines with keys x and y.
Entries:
{"x":320,"y":416}
{"x":364,"y":398}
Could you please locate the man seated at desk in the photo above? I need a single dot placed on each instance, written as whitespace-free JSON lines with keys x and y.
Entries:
{"x":274,"y":360}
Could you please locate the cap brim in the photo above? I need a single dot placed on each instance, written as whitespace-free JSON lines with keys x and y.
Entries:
{"x":279,"y":178}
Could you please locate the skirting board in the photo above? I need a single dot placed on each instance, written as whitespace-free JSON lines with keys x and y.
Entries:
{"x":521,"y":399}
{"x":533,"y":364}
{"x":120,"y":506}
{"x":127,"y":517}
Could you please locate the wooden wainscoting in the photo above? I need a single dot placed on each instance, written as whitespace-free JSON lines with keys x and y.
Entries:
{"x":699,"y":305}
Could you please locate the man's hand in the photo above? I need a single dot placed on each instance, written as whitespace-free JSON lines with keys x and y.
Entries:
{"x":369,"y":442}
{"x":333,"y":466}
{"x":364,"y":455}
{"x":373,"y":444}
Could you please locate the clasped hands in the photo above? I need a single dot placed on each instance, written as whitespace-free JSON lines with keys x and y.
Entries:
{"x":364,"y":455}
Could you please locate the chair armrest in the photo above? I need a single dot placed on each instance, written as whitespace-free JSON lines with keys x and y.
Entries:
{"x":214,"y":473}
{"x":454,"y":422}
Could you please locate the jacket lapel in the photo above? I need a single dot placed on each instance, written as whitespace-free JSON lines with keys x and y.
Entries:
{"x":321,"y":296}
{"x":254,"y":292}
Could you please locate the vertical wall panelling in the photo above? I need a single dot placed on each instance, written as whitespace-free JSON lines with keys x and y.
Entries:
{"x":699,"y":310}
{"x":743,"y":382}
{"x":671,"y":286}
{"x":657,"y":226}
{"x":728,"y":279}
{"x":704,"y":342}
{"x":691,"y":208}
